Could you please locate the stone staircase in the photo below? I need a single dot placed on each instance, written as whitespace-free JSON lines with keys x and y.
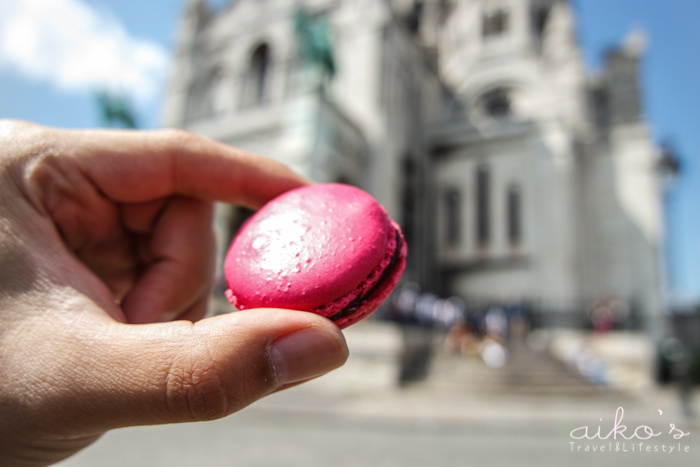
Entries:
{"x":527,"y":372}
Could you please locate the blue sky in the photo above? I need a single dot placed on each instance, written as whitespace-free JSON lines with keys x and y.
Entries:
{"x":671,"y":88}
{"x":128,"y":44}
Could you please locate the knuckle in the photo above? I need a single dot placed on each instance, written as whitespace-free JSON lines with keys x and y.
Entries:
{"x":195,"y":390}
{"x":180,"y":146}
{"x":177,"y":134}
{"x":179,"y":140}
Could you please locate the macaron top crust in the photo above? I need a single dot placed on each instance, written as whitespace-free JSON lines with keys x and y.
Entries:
{"x":308,"y":248}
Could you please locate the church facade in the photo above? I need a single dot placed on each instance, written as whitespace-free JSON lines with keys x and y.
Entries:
{"x":513,"y":171}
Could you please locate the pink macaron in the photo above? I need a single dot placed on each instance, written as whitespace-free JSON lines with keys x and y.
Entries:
{"x":329,"y":249}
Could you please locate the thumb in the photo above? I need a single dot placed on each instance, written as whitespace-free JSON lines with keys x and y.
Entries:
{"x":180,"y":371}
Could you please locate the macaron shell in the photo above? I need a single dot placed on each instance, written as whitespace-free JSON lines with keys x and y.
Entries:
{"x":307,"y":248}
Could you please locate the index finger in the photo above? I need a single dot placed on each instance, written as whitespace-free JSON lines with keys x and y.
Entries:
{"x":135,"y":166}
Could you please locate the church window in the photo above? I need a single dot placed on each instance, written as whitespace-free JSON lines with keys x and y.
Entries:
{"x":514,"y":216}
{"x":540,"y":18}
{"x":483,"y":201}
{"x":497,"y":103}
{"x":256,"y":86}
{"x":445,"y":8}
{"x":416,"y":17}
{"x":453,"y":217}
{"x":601,"y":107}
{"x":495,"y":23}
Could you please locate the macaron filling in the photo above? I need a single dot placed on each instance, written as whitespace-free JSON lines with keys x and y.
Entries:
{"x":385,"y":282}
{"x":382,"y":279}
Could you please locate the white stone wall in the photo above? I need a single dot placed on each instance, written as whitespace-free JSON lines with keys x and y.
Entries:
{"x":589,"y":203}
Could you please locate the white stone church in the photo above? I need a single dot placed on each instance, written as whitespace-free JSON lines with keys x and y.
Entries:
{"x":513,"y":170}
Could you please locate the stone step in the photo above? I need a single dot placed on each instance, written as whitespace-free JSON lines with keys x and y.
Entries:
{"x":379,"y":354}
{"x":527,"y":372}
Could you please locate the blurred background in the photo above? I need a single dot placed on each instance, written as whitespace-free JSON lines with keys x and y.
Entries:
{"x":539,"y":155}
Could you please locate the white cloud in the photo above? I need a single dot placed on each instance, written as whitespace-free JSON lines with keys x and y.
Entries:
{"x":76,"y":47}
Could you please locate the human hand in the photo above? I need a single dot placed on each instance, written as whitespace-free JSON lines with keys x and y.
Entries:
{"x":105,"y":236}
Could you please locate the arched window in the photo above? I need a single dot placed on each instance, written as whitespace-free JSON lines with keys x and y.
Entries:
{"x":259,"y":65}
{"x":514,"y":219}
{"x":415,"y":17}
{"x":540,"y":18}
{"x":453,"y":216}
{"x":495,"y":23}
{"x":483,"y":201}
{"x":255,"y":90}
{"x":497,"y":103}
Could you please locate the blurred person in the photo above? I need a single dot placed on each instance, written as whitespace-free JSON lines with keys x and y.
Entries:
{"x":606,"y":314}
{"x":584,"y":360}
{"x":460,"y":339}
{"x":496,"y":323}
{"x":477,"y":318}
{"x":105,"y":240}
{"x":403,"y":304}
{"x":426,"y":306}
{"x":493,"y":353}
{"x":450,"y":311}
{"x":519,"y":319}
